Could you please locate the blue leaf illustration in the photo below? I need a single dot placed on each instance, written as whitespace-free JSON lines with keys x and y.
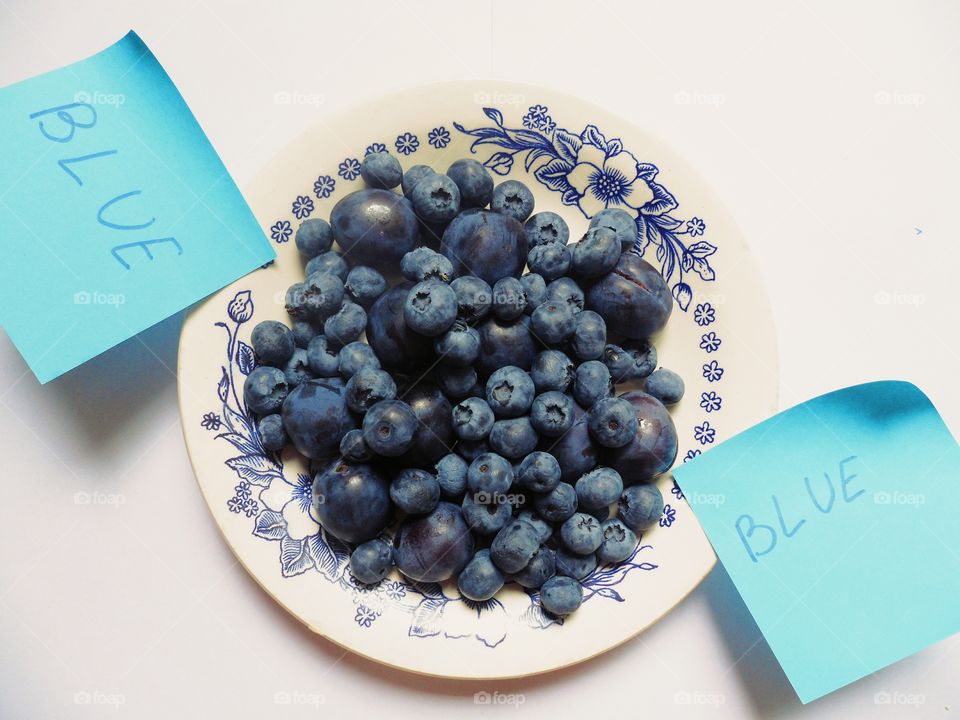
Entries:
{"x":701,"y":266}
{"x":663,"y":201}
{"x":294,"y":558}
{"x":646,"y":566}
{"x":682,"y":293}
{"x":701,"y":249}
{"x":615,"y":146}
{"x":245,"y":360}
{"x":270,"y":525}
{"x":223,"y":385}
{"x":567,"y":145}
{"x":536,"y":617}
{"x":255,"y":469}
{"x":554,"y":175}
{"x":500,"y":163}
{"x":494,"y":115}
{"x":591,"y":134}
{"x":609,"y":592}
{"x":426,"y":618}
{"x":325,"y":559}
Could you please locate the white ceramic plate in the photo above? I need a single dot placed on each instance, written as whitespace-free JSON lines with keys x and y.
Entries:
{"x":574,"y":156}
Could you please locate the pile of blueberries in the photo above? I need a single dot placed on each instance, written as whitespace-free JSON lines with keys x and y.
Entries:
{"x":477,"y":427}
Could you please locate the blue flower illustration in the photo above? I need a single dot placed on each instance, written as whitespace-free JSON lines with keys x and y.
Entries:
{"x":439,"y":137}
{"x":349,"y":169}
{"x":537,"y":119}
{"x":691,"y":454}
{"x":280,"y":231}
{"x":704,"y":434}
{"x":407,"y":143}
{"x":695,"y":226}
{"x":302,"y":207}
{"x":240,"y":308}
{"x":365,"y":616}
{"x":676,"y":491}
{"x":669,"y":515}
{"x":704,"y":314}
{"x":712,"y":371}
{"x":211,"y":421}
{"x":395,"y":590}
{"x":324,"y":186}
{"x":251,"y":507}
{"x":710,"y":401}
{"x":709,"y":342}
{"x":242,"y":490}
{"x":375,"y":148}
{"x":236,"y":504}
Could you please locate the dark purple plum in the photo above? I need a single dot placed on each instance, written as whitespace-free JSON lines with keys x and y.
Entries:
{"x":435,"y":547}
{"x":505,"y":343}
{"x":575,"y":450}
{"x":316,"y":417}
{"x":352,"y":502}
{"x":654,"y":448}
{"x":486,"y":244}
{"x":375,"y":227}
{"x":397,"y":347}
{"x":633,"y":299}
{"x":434,"y":436}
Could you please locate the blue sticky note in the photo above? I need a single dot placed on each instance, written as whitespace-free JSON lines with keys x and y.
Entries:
{"x":839,"y":522}
{"x":115,"y":210}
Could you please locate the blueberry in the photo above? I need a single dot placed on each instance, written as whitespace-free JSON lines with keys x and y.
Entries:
{"x":458,"y":346}
{"x":456,"y":381}
{"x":371,"y":561}
{"x":553,"y":322}
{"x":539,"y":472}
{"x":591,"y":383}
{"x":297,"y":369}
{"x":434,"y":547}
{"x":542,"y":567}
{"x":354,"y":356}
{"x":389,"y":427}
{"x":596,"y":254}
{"x":613,"y":423}
{"x":644,"y":360}
{"x":572,"y":565}
{"x":634,"y":300}
{"x":322,"y":359}
{"x":581,"y":533}
{"x":602,"y":514}
{"x":574,"y":450}
{"x":486,"y":244}
{"x":566,"y":290}
{"x":618,"y":544}
{"x":375,"y":227}
{"x":550,"y":260}
{"x":272,"y":343}
{"x":346,"y":325}
{"x":640,"y":506}
{"x":272,"y":435}
{"x":485,"y":518}
{"x":415,"y":491}
{"x":509,"y":392}
{"x":426,"y":264}
{"x":561,"y":595}
{"x":381,"y":170}
{"x":513,"y":438}
{"x":552,"y":413}
{"x":509,"y":298}
{"x":544,"y":529}
{"x":303,"y":333}
{"x":316,"y":417}
{"x":367,"y":387}
{"x":331,"y":263}
{"x":398,"y":347}
{"x":352,"y":502}
{"x":320,"y":296}
{"x":552,"y":370}
{"x":430,"y":308}
{"x":512,"y":198}
{"x":505,"y":343}
{"x":264,"y":390}
{"x":434,"y":436}
{"x":474,"y":298}
{"x":623,"y":224}
{"x":480,"y":580}
{"x":598,"y":488}
{"x":472,"y":419}
{"x":452,"y":476}
{"x":665,"y":385}
{"x":514,"y":546}
{"x":470,"y":450}
{"x":535,"y":288}
{"x":546,"y":227}
{"x":314,"y":236}
{"x":474,"y":181}
{"x":558,"y":504}
{"x":364,"y":285}
{"x":489,"y":476}
{"x":590,"y":337}
{"x":354,"y":448}
{"x":619,"y":362}
{"x":414,"y":175}
{"x":654,"y":447}
{"x":436,"y":198}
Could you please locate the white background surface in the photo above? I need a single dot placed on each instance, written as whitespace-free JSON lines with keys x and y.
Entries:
{"x":829,"y":129}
